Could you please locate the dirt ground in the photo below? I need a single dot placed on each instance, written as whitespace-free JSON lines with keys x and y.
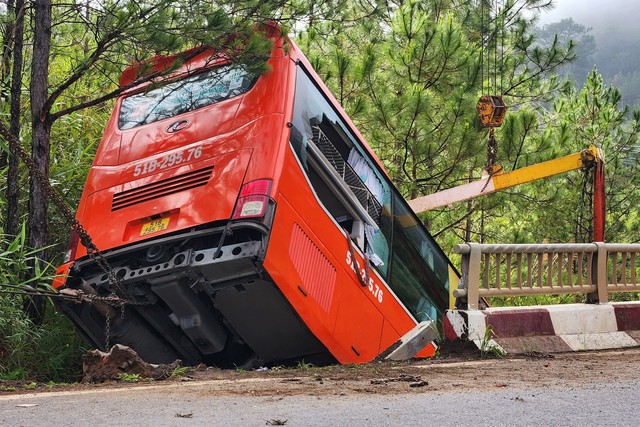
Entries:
{"x":452,"y":371}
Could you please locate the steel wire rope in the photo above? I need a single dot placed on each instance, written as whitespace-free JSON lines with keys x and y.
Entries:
{"x":482,"y":47}
{"x":495,"y":49}
{"x":502,"y":50}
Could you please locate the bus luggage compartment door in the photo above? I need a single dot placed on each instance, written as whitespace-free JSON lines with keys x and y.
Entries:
{"x":338,"y":311}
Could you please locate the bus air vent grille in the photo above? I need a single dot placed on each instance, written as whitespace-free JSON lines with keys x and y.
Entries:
{"x":317,"y":273}
{"x":350,"y":177}
{"x":164,"y":187}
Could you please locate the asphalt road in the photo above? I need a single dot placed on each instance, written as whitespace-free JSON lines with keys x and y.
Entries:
{"x":196,"y":404}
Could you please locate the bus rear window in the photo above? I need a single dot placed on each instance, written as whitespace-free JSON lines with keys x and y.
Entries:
{"x":185,"y":95}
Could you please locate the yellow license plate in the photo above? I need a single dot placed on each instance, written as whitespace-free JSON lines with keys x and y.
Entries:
{"x":154,"y":226}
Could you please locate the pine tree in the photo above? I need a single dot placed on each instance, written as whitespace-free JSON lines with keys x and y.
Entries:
{"x":86,"y":46}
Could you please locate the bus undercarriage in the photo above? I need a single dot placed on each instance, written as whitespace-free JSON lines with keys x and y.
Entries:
{"x":198,"y":296}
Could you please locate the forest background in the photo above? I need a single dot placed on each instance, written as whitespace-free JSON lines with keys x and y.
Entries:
{"x":408,"y":73}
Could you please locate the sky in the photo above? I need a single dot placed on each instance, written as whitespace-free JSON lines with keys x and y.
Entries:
{"x":615,"y":24}
{"x":603,"y":16}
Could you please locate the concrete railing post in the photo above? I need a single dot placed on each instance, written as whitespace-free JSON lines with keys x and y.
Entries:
{"x":600,"y":275}
{"x":473,"y":277}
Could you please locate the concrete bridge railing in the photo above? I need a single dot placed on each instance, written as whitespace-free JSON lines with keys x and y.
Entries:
{"x":594,"y":269}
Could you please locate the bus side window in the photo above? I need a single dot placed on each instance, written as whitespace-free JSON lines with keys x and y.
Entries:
{"x":343,"y":176}
{"x":417,"y":270}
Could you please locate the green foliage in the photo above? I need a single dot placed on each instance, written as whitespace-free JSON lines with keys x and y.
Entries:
{"x":47,"y":352}
{"x":304,"y":366}
{"x":488,"y":346}
{"x":179,"y":372}
{"x":41,"y":352}
{"x":533,"y":300}
{"x":410,"y":77}
{"x":14,"y":262}
{"x":78,"y":135}
{"x":131,"y":378}
{"x":624,"y":296}
{"x":594,"y":116}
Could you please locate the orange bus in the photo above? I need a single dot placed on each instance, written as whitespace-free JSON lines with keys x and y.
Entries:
{"x":250,"y":222}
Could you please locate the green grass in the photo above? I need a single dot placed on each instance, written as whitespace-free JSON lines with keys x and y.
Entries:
{"x":132,"y":378}
{"x":304,"y":366}
{"x":487,"y":348}
{"x":48,"y":352}
{"x":179,"y":372}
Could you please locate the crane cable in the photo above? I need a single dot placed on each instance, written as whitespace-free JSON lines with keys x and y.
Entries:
{"x":491,"y":108}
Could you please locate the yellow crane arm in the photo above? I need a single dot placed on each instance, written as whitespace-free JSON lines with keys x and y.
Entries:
{"x":500,"y":180}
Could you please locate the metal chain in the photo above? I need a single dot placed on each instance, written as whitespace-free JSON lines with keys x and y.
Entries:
{"x":492,"y":151}
{"x":92,"y":250}
{"x":107,"y":331}
{"x":73,"y":295}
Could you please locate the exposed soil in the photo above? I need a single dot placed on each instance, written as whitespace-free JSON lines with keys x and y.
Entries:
{"x":452,"y":371}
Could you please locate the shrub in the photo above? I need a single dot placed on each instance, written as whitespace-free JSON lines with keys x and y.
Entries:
{"x":47,"y":352}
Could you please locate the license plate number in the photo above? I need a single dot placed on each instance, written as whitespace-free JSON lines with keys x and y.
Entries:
{"x":154,"y":226}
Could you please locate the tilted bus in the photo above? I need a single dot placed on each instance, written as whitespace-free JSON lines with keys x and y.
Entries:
{"x":250,"y":222}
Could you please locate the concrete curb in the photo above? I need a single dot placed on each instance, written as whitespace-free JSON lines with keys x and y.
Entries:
{"x":547,"y":329}
{"x":411,"y":343}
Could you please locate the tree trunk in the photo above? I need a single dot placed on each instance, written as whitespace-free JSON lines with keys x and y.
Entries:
{"x":13,"y":176}
{"x":41,"y":128}
{"x":7,"y":42}
{"x":7,"y":45}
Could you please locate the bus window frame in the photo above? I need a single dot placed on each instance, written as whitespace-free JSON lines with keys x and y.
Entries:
{"x":433,"y":273}
{"x":395,"y":195}
{"x":338,"y":187}
{"x":183,"y":76}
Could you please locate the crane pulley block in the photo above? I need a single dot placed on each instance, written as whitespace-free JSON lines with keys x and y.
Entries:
{"x":491,"y":110}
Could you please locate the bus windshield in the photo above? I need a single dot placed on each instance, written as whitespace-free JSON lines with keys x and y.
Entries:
{"x":184,"y":95}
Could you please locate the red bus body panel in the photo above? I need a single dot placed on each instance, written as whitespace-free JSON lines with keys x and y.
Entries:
{"x":133,"y":181}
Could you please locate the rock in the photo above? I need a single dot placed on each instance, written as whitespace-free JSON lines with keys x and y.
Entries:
{"x":98,"y":366}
